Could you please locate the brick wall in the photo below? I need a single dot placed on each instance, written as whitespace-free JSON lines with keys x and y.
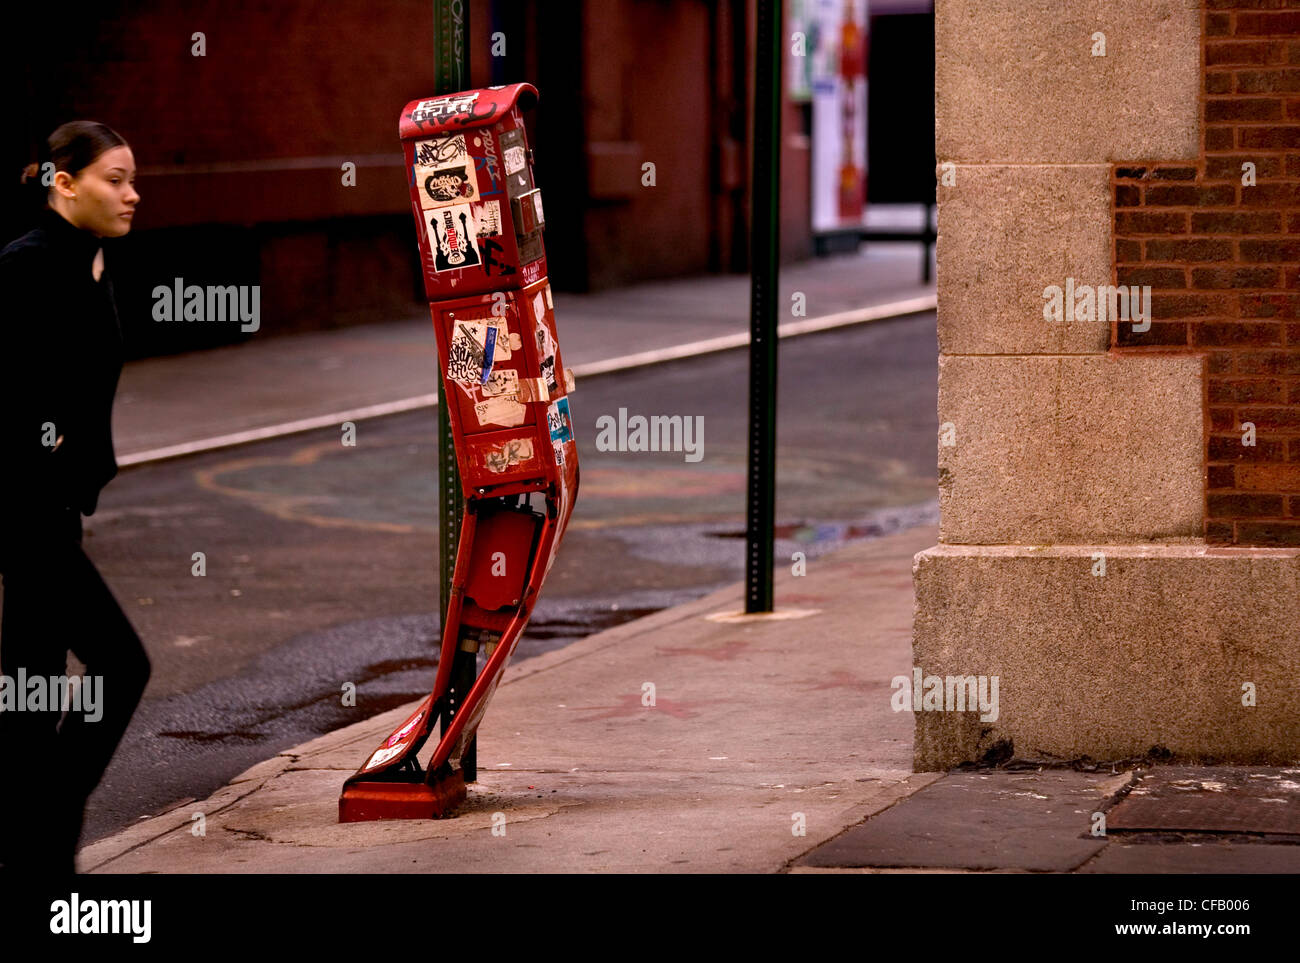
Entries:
{"x":1223,"y":262}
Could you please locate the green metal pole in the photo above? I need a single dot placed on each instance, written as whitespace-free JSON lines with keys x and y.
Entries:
{"x":765,"y":236}
{"x":451,"y":69}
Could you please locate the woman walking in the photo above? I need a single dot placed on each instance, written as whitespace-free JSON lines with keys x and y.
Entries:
{"x":60,"y":358}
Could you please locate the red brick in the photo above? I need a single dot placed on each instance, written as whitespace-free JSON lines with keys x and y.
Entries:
{"x":1220,"y":532}
{"x":1268,"y":81}
{"x":1221,"y":476}
{"x":1267,"y":24}
{"x":1126,"y":250}
{"x":1173,"y":173}
{"x":1218,"y":82}
{"x":1162,"y":278}
{"x":1189,"y":195}
{"x":1189,"y":252}
{"x":1228,"y":167}
{"x":1218,"y":25}
{"x":1269,"y":138}
{"x":1271,"y":196}
{"x":1268,"y":533}
{"x":1223,"y":222}
{"x":1220,"y":54}
{"x":1219,"y":362}
{"x":1230,"y":448}
{"x":1247,"y":392}
{"x":1271,"y":419}
{"x":1252,"y":4}
{"x":1269,"y":252}
{"x":1242,"y":108}
{"x":1168,"y":306}
{"x":1244,"y":506}
{"x":1128,"y":195}
{"x":1160,"y":334}
{"x":1220,"y":138}
{"x":1165,"y":222}
{"x":1130,"y":173}
{"x":1268,"y":478}
{"x":1226,"y":334}
{"x":1293,"y":449}
{"x":1267,"y":362}
{"x":1223,"y":419}
{"x":1239,"y":277}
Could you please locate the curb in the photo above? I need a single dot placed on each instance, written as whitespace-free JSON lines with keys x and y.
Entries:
{"x":828,"y":322}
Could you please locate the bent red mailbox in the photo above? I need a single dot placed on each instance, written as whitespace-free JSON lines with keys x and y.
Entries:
{"x":479,"y":218}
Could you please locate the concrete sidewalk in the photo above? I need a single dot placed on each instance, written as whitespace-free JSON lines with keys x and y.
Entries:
{"x":758,"y":726}
{"x":267,"y":381}
{"x":771,"y":746}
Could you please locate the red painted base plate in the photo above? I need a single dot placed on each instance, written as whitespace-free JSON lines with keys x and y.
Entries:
{"x":364,"y":801}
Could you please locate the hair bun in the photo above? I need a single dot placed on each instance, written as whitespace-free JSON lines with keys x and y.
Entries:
{"x":31,"y":172}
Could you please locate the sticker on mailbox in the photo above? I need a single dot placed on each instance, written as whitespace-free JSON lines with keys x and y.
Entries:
{"x":487,"y":218}
{"x":465,"y":362}
{"x":507,"y":455}
{"x":515,"y":159}
{"x":439,"y":152}
{"x":450,"y":185}
{"x":559,"y":421}
{"x":451,"y":237}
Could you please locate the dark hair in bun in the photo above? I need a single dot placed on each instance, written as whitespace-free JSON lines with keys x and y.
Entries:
{"x":72,"y":147}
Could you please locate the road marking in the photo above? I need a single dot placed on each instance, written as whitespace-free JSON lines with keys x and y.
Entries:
{"x":827,"y":322}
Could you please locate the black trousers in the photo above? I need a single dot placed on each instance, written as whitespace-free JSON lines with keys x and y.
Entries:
{"x":54,"y":602}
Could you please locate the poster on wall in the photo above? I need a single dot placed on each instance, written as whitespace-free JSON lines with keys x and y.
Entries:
{"x":836,"y":33}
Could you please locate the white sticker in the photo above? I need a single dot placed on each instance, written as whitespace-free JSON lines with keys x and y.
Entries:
{"x":539,"y":307}
{"x":515,"y":159}
{"x":438,"y":152}
{"x":511,"y":453}
{"x":502,"y":382}
{"x":381,"y":756}
{"x":487,"y":218}
{"x":549,"y":303}
{"x":500,"y":411}
{"x":444,"y":172}
{"x":465,"y":364}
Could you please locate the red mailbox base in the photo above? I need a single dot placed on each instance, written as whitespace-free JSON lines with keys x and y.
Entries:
{"x":362,"y":801}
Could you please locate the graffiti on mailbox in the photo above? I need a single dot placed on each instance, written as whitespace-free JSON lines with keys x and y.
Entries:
{"x":439,"y":152}
{"x":459,"y":109}
{"x":488,"y":162}
{"x":509,"y":454}
{"x":491,"y":264}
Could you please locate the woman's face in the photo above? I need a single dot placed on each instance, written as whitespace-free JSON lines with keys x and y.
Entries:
{"x":102,"y":198}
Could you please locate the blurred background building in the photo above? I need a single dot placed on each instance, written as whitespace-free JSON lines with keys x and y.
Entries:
{"x":241,"y":150}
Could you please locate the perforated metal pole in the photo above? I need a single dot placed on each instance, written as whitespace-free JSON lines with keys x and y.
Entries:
{"x":451,"y":70}
{"x":765,"y":236}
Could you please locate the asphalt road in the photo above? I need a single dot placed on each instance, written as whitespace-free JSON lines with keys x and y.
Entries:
{"x":321,"y":564}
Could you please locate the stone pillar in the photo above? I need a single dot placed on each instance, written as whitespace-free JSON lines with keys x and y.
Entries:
{"x":1073,"y":565}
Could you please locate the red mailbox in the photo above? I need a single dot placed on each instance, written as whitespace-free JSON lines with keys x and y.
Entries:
{"x":479,"y":218}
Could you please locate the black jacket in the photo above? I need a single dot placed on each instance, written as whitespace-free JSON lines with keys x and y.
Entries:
{"x":60,"y":358}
